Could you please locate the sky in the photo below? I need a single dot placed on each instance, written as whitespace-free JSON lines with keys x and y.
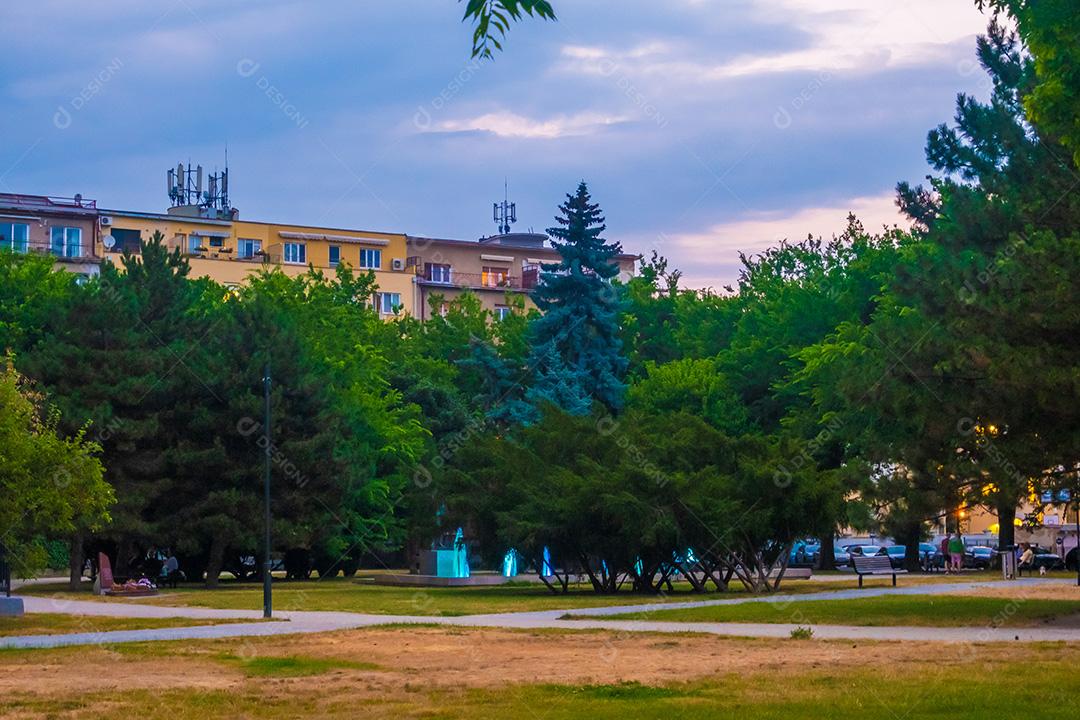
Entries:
{"x":704,"y":128}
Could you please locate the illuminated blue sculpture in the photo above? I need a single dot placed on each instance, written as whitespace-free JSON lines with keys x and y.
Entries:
{"x":461,"y":556}
{"x":510,"y":562}
{"x":545,"y":570}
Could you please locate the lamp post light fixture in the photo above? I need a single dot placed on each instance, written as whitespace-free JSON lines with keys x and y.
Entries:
{"x":267,"y":580}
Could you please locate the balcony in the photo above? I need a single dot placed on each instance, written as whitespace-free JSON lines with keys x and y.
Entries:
{"x":71,"y":255}
{"x":474,"y":281}
{"x":45,"y":203}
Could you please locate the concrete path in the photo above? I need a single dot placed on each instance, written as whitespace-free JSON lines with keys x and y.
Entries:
{"x":292,"y":622}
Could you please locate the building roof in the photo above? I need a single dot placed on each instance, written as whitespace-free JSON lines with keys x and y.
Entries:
{"x":217,"y":221}
{"x":418,"y":239}
{"x":77,"y":205}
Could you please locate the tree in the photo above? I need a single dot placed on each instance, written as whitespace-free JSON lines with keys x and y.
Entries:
{"x":695,"y":387}
{"x":1051,"y":31}
{"x":576,"y":350}
{"x":51,"y":484}
{"x":345,"y":442}
{"x":630,"y":502}
{"x":117,"y":354}
{"x":650,"y":319}
{"x":1002,"y":210}
{"x":491,"y":20}
{"x":31,"y":293}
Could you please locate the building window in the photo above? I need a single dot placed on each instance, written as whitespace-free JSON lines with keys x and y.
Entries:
{"x":66,"y":242}
{"x":295,"y":253}
{"x":14,"y":237}
{"x":438,"y":273}
{"x":494,"y":277}
{"x":126,"y":241}
{"x":216,"y":242}
{"x":249,"y":248}
{"x":370,"y":259}
{"x":530,"y":275}
{"x":335,"y":255}
{"x":387,"y":303}
{"x":195,"y":245}
{"x":502,"y":312}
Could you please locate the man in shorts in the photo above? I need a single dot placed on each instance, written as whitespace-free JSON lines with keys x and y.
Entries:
{"x":956,"y":551}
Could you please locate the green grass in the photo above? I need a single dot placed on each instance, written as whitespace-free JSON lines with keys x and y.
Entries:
{"x":57,"y":624}
{"x":293,"y":666}
{"x":1035,"y":685}
{"x":340,"y":594}
{"x":923,"y":610}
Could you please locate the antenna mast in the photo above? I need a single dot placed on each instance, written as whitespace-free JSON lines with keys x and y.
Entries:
{"x":505,"y":213}
{"x":185,"y":188}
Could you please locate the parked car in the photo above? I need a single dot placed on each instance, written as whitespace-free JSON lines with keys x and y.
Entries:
{"x":930,"y":556}
{"x":1046,"y":558}
{"x":865,"y":550}
{"x":804,"y":554}
{"x":980,"y":557}
{"x":896,"y":554}
{"x":808,"y":554}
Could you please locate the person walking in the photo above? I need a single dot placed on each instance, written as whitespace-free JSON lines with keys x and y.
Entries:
{"x":956,"y":551}
{"x":944,"y":548}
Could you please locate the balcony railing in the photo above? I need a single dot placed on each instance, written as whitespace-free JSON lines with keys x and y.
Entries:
{"x":44,"y":202}
{"x":82,"y":254}
{"x":492,"y":281}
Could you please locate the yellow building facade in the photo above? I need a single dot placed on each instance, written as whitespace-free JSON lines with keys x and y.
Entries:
{"x":230,"y":250}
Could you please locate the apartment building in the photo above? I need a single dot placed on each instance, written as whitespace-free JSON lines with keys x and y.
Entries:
{"x":490,"y":268}
{"x":65,"y":228}
{"x":228,"y":250}
{"x":415,"y":275}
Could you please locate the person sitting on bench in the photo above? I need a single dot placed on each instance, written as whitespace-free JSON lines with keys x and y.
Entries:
{"x":1027,"y":559}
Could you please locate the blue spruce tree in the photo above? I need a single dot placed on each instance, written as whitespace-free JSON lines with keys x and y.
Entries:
{"x":576,"y":351}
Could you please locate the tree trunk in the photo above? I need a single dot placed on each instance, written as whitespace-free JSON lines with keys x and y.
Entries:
{"x":1006,"y":513}
{"x":827,"y":554}
{"x":909,"y":536}
{"x":76,"y":558}
{"x":215,"y":562}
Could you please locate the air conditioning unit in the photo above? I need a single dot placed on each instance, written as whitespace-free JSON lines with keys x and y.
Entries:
{"x":105,"y":221}
{"x":397,"y":264}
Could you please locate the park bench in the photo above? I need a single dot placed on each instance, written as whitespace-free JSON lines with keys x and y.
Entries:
{"x":875,"y":565}
{"x":793,"y":573}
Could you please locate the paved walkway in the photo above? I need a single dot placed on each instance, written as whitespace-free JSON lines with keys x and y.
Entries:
{"x":291,"y":622}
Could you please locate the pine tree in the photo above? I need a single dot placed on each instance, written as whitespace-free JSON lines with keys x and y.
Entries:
{"x":576,"y":350}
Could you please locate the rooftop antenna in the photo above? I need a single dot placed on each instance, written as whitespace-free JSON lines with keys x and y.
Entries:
{"x":505,"y":213}
{"x":186,"y":188}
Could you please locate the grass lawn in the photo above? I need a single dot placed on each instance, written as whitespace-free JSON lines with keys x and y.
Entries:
{"x":483,"y":674}
{"x":56,"y":624}
{"x":925,"y":610}
{"x":341,"y":594}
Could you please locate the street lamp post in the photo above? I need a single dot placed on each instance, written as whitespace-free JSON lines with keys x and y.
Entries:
{"x":267,"y":602}
{"x":1076,"y":549}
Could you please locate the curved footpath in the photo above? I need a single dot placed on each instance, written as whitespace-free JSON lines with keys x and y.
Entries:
{"x":292,"y":622}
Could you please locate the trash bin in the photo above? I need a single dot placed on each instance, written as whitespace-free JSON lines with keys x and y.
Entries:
{"x":1008,"y":564}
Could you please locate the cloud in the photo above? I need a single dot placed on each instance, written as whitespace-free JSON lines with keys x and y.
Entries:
{"x":511,"y":125}
{"x":710,"y":257}
{"x":838,"y":36}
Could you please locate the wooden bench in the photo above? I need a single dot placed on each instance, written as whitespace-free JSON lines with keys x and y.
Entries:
{"x":875,"y":565}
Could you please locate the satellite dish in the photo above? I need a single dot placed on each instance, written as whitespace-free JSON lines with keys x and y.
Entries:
{"x":109,"y":242}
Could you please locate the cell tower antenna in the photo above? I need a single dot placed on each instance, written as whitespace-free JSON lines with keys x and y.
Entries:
{"x":505,"y":213}
{"x":186,"y":189}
